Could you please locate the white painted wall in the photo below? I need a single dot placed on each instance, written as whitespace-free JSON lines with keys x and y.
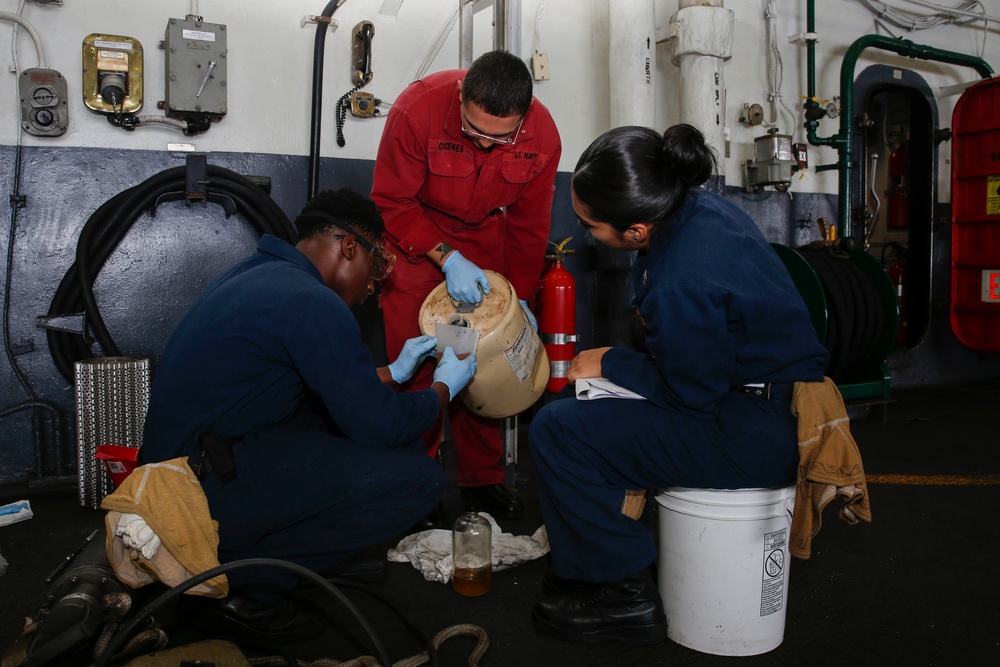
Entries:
{"x":270,"y":68}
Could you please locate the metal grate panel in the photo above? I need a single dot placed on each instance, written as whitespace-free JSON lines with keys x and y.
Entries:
{"x":112,"y":394}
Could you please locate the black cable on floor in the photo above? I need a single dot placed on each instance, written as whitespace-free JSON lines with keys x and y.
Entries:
{"x":424,"y":639}
{"x":123,"y":634}
{"x":108,"y":226}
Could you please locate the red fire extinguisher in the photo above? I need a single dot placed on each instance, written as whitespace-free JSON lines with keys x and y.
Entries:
{"x":897,"y":201}
{"x":557,"y":316}
{"x":897,"y":274}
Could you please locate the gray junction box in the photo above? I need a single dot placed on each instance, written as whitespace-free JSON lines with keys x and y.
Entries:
{"x":196,"y":69}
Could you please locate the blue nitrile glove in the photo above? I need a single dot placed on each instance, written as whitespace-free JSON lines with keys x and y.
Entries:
{"x":529,"y":315}
{"x":455,"y":372}
{"x":414,"y":351}
{"x":465,"y":279}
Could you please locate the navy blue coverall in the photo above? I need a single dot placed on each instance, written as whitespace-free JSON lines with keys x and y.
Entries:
{"x":720,"y":311}
{"x":330,"y":459}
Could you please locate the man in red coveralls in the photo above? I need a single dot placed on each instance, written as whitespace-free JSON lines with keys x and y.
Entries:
{"x":464,"y":179}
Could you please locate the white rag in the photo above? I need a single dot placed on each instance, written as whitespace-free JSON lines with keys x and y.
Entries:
{"x":430,"y":551}
{"x":136,"y":534}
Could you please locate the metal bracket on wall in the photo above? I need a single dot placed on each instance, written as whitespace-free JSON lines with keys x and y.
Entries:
{"x":226,"y":202}
{"x":196,"y":187}
{"x":312,"y":18}
{"x":196,"y":177}
{"x":74,"y":323}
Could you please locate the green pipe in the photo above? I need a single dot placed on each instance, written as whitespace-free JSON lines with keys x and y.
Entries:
{"x":844,"y":140}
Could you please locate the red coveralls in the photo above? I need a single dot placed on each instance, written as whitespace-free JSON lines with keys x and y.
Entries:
{"x":433,"y":184}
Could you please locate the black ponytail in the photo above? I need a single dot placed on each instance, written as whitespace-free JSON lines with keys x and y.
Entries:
{"x":688,"y":157}
{"x":633,"y":174}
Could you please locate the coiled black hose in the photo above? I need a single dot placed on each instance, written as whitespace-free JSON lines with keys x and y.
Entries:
{"x":108,"y":226}
{"x":855,"y":317}
{"x":123,"y":634}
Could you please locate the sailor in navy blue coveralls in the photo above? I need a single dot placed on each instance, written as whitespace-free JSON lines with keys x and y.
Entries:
{"x":720,"y":312}
{"x":330,"y":459}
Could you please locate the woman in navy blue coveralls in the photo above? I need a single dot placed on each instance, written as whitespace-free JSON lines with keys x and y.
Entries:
{"x":720,"y":312}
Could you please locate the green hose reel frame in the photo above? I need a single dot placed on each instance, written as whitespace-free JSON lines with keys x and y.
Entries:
{"x":871,"y":378}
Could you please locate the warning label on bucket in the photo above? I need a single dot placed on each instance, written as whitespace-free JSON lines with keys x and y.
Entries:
{"x":772,"y":591}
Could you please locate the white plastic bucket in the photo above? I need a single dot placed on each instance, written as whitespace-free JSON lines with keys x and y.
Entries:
{"x":723,"y":567}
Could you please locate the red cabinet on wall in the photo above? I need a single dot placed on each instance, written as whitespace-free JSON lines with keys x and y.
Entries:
{"x":975,"y":217}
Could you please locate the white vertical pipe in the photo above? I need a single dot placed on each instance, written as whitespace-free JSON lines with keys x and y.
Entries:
{"x":703,"y":41}
{"x":507,"y":26}
{"x":466,"y":16}
{"x":514,"y":27}
{"x":500,"y":24}
{"x":632,"y":62}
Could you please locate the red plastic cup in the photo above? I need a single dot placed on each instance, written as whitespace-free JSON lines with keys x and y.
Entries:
{"x":118,"y":460}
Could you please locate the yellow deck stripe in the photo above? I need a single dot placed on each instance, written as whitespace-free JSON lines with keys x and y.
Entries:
{"x":935,"y":480}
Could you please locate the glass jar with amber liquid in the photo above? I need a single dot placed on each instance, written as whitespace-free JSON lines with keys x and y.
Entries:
{"x":472,"y":555}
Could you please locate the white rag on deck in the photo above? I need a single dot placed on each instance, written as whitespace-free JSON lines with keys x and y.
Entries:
{"x":430,"y":551}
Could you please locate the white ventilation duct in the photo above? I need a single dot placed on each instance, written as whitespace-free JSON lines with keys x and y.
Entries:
{"x":632,"y":62}
{"x":703,"y":41}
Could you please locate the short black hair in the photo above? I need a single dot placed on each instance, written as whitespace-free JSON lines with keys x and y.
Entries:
{"x":329,"y":208}
{"x":499,"y":83}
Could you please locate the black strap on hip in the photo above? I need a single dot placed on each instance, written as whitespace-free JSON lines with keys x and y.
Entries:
{"x":216,"y":456}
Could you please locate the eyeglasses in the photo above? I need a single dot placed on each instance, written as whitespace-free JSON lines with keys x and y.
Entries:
{"x":382,"y":259}
{"x":506,"y":141}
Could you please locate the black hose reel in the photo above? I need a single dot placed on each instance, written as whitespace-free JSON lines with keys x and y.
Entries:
{"x":853,"y":308}
{"x":109,"y":224}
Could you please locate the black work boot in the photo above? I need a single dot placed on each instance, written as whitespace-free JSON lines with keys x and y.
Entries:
{"x":628,"y":610}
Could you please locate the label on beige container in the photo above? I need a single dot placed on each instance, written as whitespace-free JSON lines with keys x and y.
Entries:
{"x":521,"y":355}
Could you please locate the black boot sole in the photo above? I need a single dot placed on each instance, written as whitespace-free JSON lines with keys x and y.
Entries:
{"x":644,"y":635}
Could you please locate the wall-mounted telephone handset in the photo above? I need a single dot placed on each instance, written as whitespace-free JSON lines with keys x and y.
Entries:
{"x":359,"y":103}
{"x":361,"y":53}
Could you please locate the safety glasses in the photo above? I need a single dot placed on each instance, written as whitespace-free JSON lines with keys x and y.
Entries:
{"x":504,"y":141}
{"x":382,"y":259}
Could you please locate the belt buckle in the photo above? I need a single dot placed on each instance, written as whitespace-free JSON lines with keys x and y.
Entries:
{"x":761,"y":390}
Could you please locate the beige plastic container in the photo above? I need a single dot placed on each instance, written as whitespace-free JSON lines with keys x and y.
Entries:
{"x":512,"y":367}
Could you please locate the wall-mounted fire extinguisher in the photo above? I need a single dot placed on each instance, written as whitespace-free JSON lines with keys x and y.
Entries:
{"x":897,"y":200}
{"x":557,"y":315}
{"x":897,"y":274}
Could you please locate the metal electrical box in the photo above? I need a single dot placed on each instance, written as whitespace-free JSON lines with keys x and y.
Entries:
{"x":44,"y":111}
{"x":773,"y":163}
{"x":112,"y":73}
{"x":196,"y":70}
{"x":975,"y":216}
